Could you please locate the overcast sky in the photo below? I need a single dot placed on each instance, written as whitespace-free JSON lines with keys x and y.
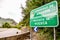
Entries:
{"x":11,"y":9}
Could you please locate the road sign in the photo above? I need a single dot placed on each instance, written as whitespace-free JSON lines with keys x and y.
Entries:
{"x":45,"y":16}
{"x":36,"y":29}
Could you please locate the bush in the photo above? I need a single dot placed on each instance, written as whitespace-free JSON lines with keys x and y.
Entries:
{"x":6,"y":25}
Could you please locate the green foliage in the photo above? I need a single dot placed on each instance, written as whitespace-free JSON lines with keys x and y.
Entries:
{"x":32,"y":4}
{"x":45,"y":36}
{"x":6,"y":25}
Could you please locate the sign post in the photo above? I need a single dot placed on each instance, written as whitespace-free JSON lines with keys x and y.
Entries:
{"x":54,"y":33}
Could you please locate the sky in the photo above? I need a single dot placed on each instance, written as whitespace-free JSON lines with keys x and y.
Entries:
{"x":12,"y":9}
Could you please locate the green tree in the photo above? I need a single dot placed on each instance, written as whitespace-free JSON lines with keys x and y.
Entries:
{"x":6,"y":25}
{"x":30,"y":5}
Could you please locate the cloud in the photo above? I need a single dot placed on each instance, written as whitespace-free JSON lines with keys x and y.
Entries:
{"x":12,"y":9}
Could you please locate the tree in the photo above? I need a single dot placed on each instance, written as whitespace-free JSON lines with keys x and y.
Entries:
{"x":6,"y":25}
{"x":30,"y":5}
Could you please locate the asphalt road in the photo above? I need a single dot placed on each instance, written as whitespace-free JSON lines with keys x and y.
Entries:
{"x":9,"y":32}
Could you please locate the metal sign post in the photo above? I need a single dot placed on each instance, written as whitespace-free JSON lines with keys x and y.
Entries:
{"x":30,"y":34}
{"x":54,"y":33}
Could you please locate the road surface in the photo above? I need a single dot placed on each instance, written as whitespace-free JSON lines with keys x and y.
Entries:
{"x":9,"y":32}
